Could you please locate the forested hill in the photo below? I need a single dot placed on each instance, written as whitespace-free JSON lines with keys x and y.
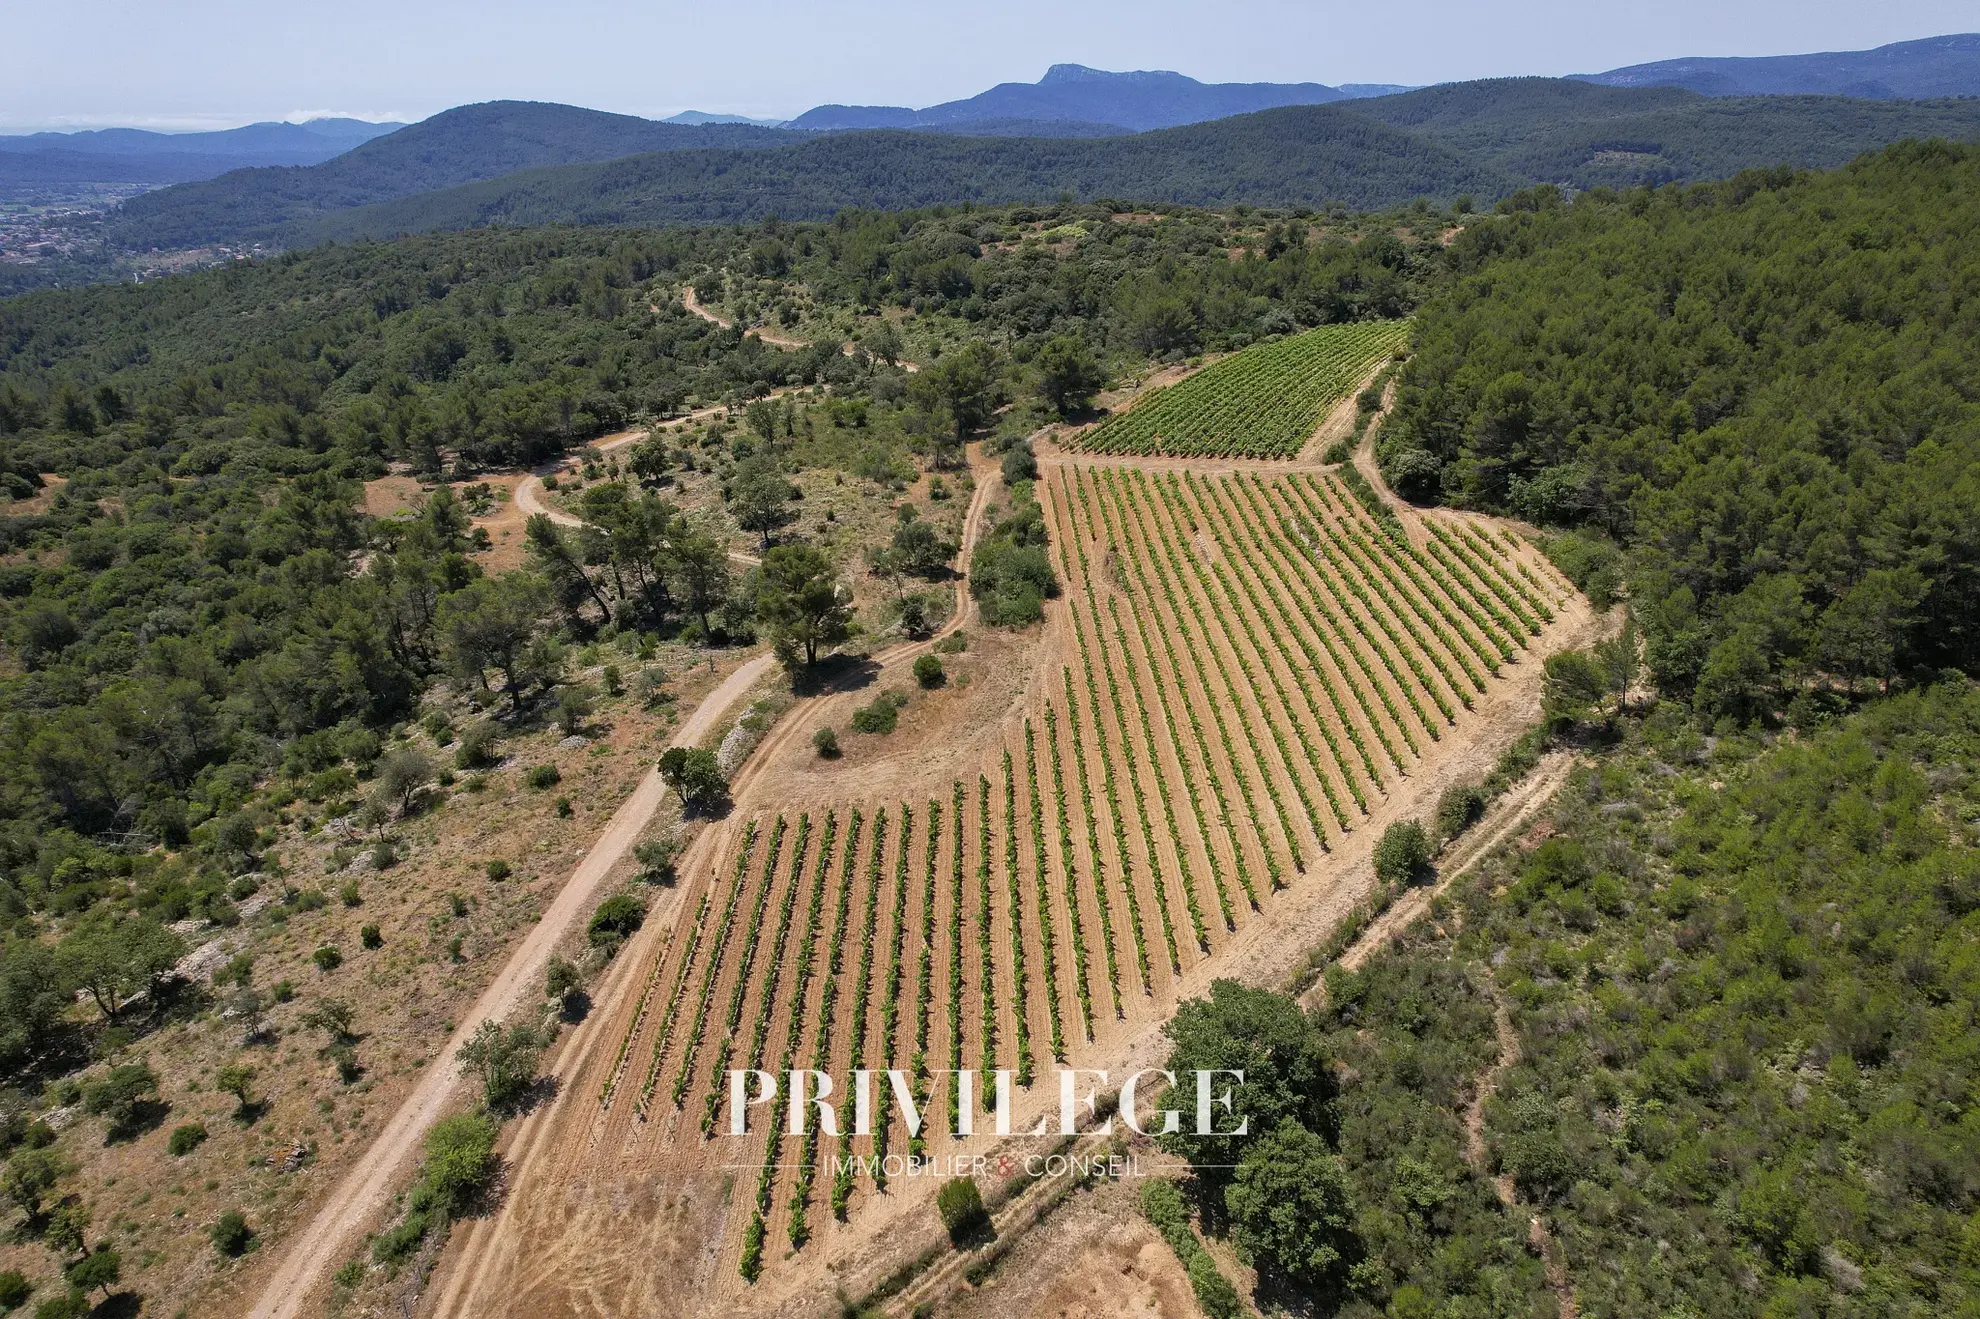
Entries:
{"x":456,"y":146}
{"x":1305,"y":154}
{"x":1767,"y":391}
{"x":1485,"y":139}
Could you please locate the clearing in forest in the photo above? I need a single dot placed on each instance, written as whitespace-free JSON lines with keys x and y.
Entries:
{"x":1263,"y":402}
{"x":1240,"y":668}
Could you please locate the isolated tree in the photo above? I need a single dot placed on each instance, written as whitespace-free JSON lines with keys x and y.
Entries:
{"x":236,"y":1079}
{"x":332,"y":1016}
{"x":1574,"y":685}
{"x":561,"y":979}
{"x":30,"y":1175}
{"x":114,"y":959}
{"x":123,"y":1096}
{"x":1268,"y":1038}
{"x":489,"y":624}
{"x":759,"y":496}
{"x":574,"y":706}
{"x":802,"y":603}
{"x":697,"y":566}
{"x":1292,"y":1210}
{"x":1068,"y":374}
{"x":648,"y":461}
{"x":503,"y":1059}
{"x":695,"y":774}
{"x":961,"y":389}
{"x":401,"y":774}
{"x":67,"y":1229}
{"x":246,"y":1005}
{"x":100,"y":1269}
{"x":918,"y":547}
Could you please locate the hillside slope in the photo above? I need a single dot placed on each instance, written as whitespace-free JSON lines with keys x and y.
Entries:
{"x":1763,"y":390}
{"x":1484,"y":139}
{"x":1307,"y":154}
{"x":1935,"y":66}
{"x":1140,"y":101}
{"x":456,"y":146}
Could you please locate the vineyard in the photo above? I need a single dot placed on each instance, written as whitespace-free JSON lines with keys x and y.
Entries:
{"x":1240,"y":669}
{"x":1263,"y":402}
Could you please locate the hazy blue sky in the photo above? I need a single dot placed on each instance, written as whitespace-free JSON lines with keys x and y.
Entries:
{"x":215,"y":63}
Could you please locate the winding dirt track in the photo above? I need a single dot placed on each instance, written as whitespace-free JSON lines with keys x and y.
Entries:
{"x":693,"y":304}
{"x":357,"y":1201}
{"x":355,"y":1205}
{"x":529,"y":492}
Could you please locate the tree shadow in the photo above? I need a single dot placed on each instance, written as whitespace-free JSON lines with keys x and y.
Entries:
{"x":539,"y":1092}
{"x":973,"y":1235}
{"x":250,"y":1113}
{"x":576,"y":1007}
{"x":120,"y":1305}
{"x":146,"y":1115}
{"x":836,"y":673}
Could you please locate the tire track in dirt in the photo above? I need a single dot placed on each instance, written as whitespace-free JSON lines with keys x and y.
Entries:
{"x":599,"y":1242}
{"x":357,"y":1200}
{"x":536,"y":1138}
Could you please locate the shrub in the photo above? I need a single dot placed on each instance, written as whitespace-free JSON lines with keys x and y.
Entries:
{"x":882,"y":716}
{"x":928,"y":671}
{"x":477,"y":748}
{"x":14,"y":1289}
{"x":459,"y":1159}
{"x":545,"y":776}
{"x":349,"y":894}
{"x":656,"y":860}
{"x":615,"y":921}
{"x":370,"y":937}
{"x":563,"y":808}
{"x":953,"y":644}
{"x":826,"y":742}
{"x":561,"y":979}
{"x":349,"y":1069}
{"x":961,"y":1207}
{"x":125,"y":1096}
{"x":498,"y":870}
{"x":231,"y":1234}
{"x":695,"y":775}
{"x":327,"y":958}
{"x":1403,"y":855}
{"x":1458,"y":809}
{"x":503,"y":1058}
{"x":185,"y":1139}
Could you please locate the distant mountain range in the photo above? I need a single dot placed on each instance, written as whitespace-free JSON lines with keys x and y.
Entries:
{"x":1143,"y":136}
{"x":1134,"y":102}
{"x":1915,"y":70}
{"x":1485,"y":139}
{"x":457,"y":146}
{"x":136,"y":155}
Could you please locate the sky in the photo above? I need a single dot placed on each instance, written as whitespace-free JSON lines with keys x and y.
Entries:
{"x":198,"y":64}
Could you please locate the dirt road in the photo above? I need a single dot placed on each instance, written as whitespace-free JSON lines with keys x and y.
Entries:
{"x":355,"y":1205}
{"x":529,"y":492}
{"x":693,"y":304}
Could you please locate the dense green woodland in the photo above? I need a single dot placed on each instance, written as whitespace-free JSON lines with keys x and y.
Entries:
{"x":201,"y":615}
{"x":1765,"y":391}
{"x":1741,"y":976}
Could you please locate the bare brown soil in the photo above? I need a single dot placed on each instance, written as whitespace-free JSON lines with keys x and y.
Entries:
{"x":584,"y":1191}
